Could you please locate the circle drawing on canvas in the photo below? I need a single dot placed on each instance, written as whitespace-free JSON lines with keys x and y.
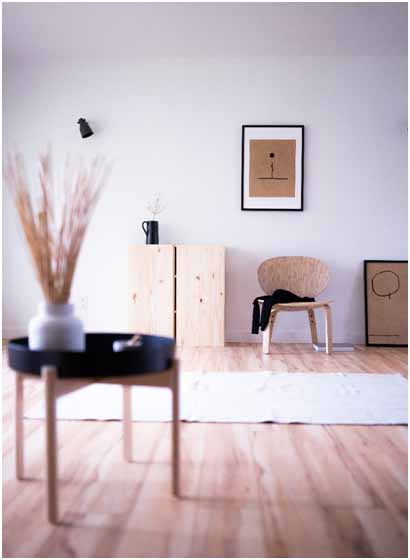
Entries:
{"x":385,"y":283}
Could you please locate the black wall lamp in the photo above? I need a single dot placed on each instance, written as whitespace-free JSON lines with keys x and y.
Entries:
{"x":85,"y":129}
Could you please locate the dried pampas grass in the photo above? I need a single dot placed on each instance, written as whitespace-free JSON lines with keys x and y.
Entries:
{"x":55,"y":226}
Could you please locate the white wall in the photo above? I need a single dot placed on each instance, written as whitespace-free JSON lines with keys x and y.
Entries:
{"x":173,"y":124}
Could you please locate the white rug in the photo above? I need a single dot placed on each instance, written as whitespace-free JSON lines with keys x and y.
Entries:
{"x":311,"y":398}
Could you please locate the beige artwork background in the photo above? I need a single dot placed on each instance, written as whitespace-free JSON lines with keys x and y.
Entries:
{"x":387,"y":316}
{"x":260,"y":182}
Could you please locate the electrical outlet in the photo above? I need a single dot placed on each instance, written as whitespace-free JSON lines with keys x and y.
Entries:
{"x":81,"y":307}
{"x":83,"y":304}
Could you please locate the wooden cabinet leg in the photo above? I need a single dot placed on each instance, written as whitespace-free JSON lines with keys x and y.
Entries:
{"x":329,"y":330}
{"x":175,"y":429}
{"x":49,"y":376}
{"x":313,"y":326}
{"x":127,"y":421}
{"x":19,"y":425}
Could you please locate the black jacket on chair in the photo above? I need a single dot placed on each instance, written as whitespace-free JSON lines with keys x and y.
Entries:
{"x":278,"y":296}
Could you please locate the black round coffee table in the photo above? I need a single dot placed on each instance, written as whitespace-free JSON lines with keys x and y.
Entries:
{"x":152,"y":363}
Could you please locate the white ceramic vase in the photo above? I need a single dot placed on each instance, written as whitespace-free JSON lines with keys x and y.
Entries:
{"x":56,"y":328}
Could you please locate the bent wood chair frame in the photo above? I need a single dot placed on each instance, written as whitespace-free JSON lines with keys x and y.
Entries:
{"x":306,"y":277}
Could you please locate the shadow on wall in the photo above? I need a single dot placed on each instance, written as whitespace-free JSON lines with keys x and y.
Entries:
{"x":353,"y":300}
{"x":241,"y":286}
{"x":345,"y":289}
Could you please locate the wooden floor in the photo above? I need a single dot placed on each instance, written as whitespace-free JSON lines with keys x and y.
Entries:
{"x":249,"y":490}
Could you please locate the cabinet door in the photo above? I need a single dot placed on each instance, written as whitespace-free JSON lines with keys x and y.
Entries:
{"x":152,"y":289}
{"x":200,"y":302}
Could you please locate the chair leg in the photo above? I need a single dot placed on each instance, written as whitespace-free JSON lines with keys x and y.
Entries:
{"x":19,"y":425}
{"x":175,"y":429}
{"x":127,"y":422}
{"x":313,"y":326}
{"x":329,"y":329}
{"x":267,"y":334}
{"x":49,"y":375}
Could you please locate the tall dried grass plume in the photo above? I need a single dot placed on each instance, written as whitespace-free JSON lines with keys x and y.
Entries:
{"x":54,"y":223}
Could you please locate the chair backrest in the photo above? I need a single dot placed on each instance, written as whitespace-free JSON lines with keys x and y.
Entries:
{"x":304,"y":276}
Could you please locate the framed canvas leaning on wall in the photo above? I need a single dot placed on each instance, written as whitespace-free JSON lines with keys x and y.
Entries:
{"x":386,"y":296}
{"x":272,"y":167}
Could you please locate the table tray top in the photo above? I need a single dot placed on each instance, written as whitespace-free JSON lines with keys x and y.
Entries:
{"x":99,"y":360}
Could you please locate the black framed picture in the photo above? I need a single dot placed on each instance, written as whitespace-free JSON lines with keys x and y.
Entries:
{"x":272,"y":167}
{"x":385,"y":296}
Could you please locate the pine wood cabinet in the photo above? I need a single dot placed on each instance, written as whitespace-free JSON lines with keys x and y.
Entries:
{"x":178,"y":291}
{"x":152,"y":289}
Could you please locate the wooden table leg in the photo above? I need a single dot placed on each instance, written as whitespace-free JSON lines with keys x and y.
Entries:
{"x":19,"y":425}
{"x":49,"y":375}
{"x":127,"y":421}
{"x":175,"y":429}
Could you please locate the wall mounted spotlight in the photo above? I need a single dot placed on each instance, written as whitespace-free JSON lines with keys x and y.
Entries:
{"x":85,"y":129}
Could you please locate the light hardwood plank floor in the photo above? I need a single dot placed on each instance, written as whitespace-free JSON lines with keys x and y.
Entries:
{"x":249,"y":490}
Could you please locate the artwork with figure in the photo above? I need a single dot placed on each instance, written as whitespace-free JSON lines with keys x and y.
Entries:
{"x":272,"y":168}
{"x":386,"y":302}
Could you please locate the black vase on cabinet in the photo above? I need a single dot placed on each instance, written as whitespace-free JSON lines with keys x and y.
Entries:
{"x":150,"y":229}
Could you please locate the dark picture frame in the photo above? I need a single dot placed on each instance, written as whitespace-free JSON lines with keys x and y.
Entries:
{"x":383,"y":339}
{"x":253,"y":197}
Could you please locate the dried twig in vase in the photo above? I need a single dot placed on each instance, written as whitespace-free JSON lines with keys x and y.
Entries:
{"x":55,"y":234}
{"x":156,"y":206}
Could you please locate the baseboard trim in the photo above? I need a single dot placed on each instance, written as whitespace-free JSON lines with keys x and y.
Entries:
{"x":281,"y":335}
{"x":295,"y":336}
{"x":14,"y":332}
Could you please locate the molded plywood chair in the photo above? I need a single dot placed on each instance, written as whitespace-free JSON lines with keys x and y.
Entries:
{"x":305,"y":277}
